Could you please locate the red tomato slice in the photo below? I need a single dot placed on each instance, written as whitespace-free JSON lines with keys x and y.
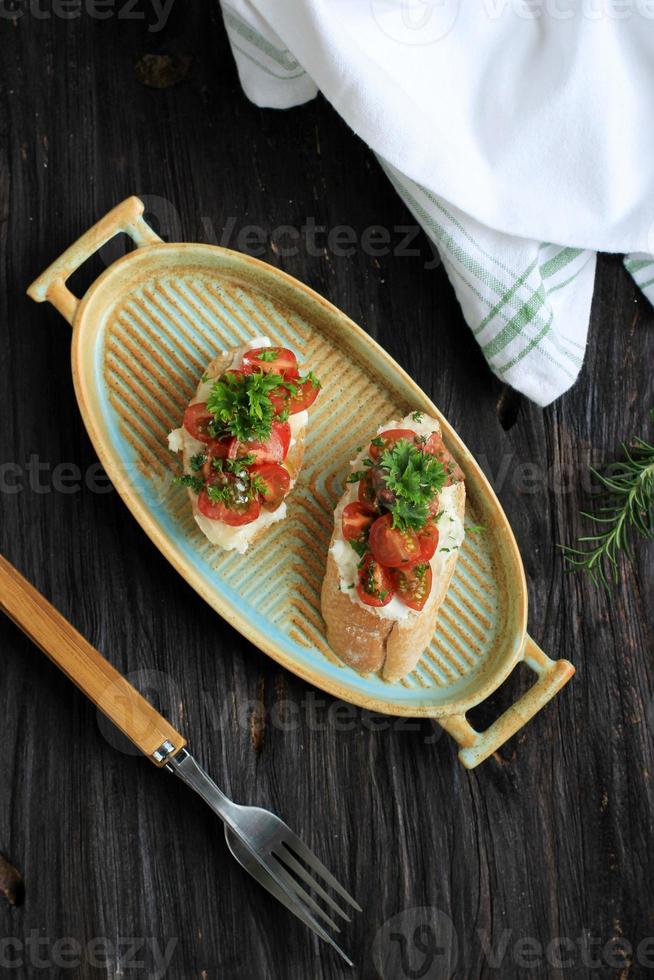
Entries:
{"x":220,"y":448}
{"x":282,"y":431}
{"x":273,"y":450}
{"x":375,"y":585}
{"x":233,"y":515}
{"x":277,"y":480}
{"x":428,"y":538}
{"x":305,"y":395}
{"x":197,"y":419}
{"x":392,"y":547}
{"x":283,"y":361}
{"x":413,"y":585}
{"x":367,"y":491}
{"x":436,"y":447}
{"x":355,"y":521}
{"x":390,"y":437}
{"x":279,"y":397}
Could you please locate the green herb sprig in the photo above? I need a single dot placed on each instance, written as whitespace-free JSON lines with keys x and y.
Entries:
{"x":629,"y":508}
{"x":414,"y":478}
{"x":241,"y":406}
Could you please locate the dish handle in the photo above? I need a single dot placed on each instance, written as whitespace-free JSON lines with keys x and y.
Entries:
{"x":126,"y":217}
{"x":477,"y":746}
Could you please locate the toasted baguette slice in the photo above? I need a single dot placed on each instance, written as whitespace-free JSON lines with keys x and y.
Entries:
{"x":179,"y":440}
{"x":389,"y":639}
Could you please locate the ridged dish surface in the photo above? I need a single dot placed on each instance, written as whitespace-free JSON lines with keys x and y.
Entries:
{"x":156,"y":341}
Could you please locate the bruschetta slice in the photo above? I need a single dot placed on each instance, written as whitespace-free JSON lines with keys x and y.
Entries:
{"x":397,"y":531}
{"x":242,"y":441}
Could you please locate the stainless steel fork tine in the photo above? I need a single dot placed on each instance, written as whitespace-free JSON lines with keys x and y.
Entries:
{"x":291,"y":840}
{"x":293,"y":904}
{"x":296,"y":888}
{"x":302,"y":872}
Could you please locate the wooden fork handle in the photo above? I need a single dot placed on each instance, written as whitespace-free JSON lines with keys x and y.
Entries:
{"x":86,"y":668}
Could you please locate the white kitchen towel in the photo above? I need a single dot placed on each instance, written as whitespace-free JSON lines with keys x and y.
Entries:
{"x":505,"y":127}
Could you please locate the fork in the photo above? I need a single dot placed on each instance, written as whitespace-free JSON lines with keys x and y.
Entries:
{"x":262,"y":843}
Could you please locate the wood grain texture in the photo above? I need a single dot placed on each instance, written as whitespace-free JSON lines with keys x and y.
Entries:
{"x":81,"y":663}
{"x":552,"y":838}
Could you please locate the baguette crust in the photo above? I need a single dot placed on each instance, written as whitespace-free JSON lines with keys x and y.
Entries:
{"x":370,"y":643}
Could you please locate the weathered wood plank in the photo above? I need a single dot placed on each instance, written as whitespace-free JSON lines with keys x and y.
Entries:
{"x":550,"y":839}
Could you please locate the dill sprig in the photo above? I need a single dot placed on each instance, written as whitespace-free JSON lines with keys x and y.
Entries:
{"x":629,"y":508}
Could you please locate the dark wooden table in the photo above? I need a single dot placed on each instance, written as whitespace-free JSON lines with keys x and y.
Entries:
{"x":540,"y":861}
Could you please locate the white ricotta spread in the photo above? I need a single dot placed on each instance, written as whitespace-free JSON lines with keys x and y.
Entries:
{"x":449,"y":524}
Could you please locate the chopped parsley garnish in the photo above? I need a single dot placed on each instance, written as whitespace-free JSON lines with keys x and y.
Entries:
{"x":194,"y":483}
{"x":416,"y":416}
{"x":359,"y":546}
{"x":197,"y":462}
{"x":267,"y":355}
{"x":475,"y":528}
{"x":220,"y":494}
{"x":378,"y":441}
{"x":241,"y":406}
{"x":312,"y":378}
{"x":258,"y":484}
{"x":356,"y":476}
{"x":414,"y":478}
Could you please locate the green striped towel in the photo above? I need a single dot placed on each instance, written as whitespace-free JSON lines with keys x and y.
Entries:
{"x":527,"y":302}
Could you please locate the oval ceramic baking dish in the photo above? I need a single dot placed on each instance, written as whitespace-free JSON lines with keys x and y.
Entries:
{"x":142,"y":335}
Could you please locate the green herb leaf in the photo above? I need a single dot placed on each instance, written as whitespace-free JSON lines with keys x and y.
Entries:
{"x":414,"y":478}
{"x":241,"y":406}
{"x":194,"y":483}
{"x":197,"y":462}
{"x":312,"y":378}
{"x":268,"y":356}
{"x":258,"y":484}
{"x":416,"y":416}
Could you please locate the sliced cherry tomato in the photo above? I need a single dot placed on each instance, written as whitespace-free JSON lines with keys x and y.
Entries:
{"x":279,"y":360}
{"x":282,"y":431}
{"x":375,"y":585}
{"x":221,"y":448}
{"x":436,"y":447}
{"x":277,"y":480}
{"x":356,"y":520}
{"x":272,"y":450}
{"x":305,"y":395}
{"x":233,"y":512}
{"x":413,"y":585}
{"x":383,"y":496}
{"x":280,"y":398}
{"x":428,"y":538}
{"x":389,"y":438}
{"x":197,"y":419}
{"x":392,"y":547}
{"x":367,"y":491}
